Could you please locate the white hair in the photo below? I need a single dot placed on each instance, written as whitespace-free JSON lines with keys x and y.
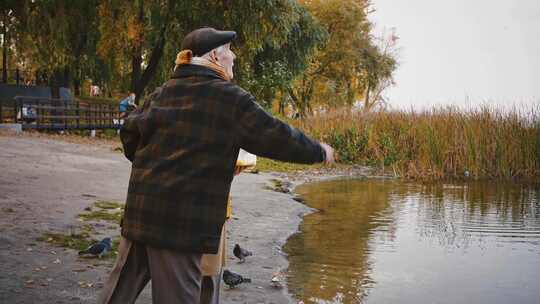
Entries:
{"x":218,"y":50}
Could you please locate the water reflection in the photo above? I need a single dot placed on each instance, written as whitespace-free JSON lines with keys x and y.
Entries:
{"x":383,"y":241}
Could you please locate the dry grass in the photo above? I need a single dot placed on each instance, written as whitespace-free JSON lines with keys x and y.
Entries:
{"x":436,"y":144}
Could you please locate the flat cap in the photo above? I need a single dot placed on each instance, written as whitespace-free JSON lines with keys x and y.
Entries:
{"x":203,"y":40}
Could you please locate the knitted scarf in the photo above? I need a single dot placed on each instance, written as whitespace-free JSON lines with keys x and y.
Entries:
{"x":186,"y":57}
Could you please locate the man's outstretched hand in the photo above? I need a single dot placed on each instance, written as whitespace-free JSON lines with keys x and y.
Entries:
{"x":329,"y":154}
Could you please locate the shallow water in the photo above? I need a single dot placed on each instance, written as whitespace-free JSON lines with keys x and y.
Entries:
{"x":382,"y":241}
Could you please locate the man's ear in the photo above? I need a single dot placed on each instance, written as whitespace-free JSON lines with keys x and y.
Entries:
{"x":214,"y":55}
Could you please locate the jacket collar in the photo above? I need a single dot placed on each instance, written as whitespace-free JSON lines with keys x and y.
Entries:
{"x":187,"y":70}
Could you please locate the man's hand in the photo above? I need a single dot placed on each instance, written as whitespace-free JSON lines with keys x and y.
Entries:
{"x":239,"y":169}
{"x":329,"y":154}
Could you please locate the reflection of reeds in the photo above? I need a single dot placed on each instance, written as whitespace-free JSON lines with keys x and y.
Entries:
{"x":436,"y":144}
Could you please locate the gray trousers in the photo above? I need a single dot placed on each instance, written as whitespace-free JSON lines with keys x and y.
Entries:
{"x":176,"y":277}
{"x":210,"y":289}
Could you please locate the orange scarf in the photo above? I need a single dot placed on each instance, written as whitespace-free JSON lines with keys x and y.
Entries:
{"x":186,"y":57}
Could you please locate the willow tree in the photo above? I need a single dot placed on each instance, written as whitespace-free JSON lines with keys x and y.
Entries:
{"x":378,"y":64}
{"x":141,"y":38}
{"x":55,"y":38}
{"x":10,"y":11}
{"x":345,"y":64}
{"x":275,"y":68}
{"x":131,"y":45}
{"x":275,"y":38}
{"x":133,"y":35}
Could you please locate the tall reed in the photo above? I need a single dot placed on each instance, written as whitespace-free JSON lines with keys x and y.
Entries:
{"x":438,"y":143}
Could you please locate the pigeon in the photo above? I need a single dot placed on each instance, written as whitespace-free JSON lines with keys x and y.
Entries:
{"x":233,"y":279}
{"x":98,"y":249}
{"x":241,"y":253}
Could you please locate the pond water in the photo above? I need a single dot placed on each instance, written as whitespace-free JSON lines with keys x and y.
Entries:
{"x":385,"y":241}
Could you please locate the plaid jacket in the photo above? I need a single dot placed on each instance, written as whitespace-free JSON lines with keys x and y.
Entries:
{"x":183,"y":146}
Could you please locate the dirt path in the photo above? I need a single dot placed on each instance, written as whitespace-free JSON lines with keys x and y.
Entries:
{"x":46,"y":183}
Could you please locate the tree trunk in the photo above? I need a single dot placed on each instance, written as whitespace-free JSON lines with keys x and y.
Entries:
{"x":136,"y":60}
{"x":66,"y":81}
{"x":150,"y":70}
{"x":281,"y":104}
{"x":55,"y":83}
{"x":367,"y":101}
{"x":77,"y":79}
{"x":155,"y":57}
{"x":4,"y":49}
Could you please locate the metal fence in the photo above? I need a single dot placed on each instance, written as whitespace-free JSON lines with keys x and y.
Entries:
{"x":59,"y":114}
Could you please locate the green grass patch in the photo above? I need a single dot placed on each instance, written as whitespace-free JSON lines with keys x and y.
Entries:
{"x":278,"y":186}
{"x":108,"y":133}
{"x":77,"y":241}
{"x":103,"y":215}
{"x":269,"y":165}
{"x":108,"y":205}
{"x":108,"y":211}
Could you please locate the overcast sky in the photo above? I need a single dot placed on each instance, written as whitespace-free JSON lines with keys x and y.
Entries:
{"x":456,"y":50}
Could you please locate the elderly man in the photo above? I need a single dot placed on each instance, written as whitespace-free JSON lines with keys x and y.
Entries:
{"x":183,"y":148}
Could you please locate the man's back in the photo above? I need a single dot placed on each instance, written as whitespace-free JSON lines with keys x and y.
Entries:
{"x":184,"y":147}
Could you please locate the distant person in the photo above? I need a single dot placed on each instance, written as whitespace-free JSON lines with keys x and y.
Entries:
{"x":95,"y":90}
{"x":127,"y":105}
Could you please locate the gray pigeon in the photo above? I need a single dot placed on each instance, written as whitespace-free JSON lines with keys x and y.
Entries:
{"x":233,"y":279}
{"x":241,"y":253}
{"x":98,"y":249}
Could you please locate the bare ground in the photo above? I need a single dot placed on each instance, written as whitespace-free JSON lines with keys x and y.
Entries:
{"x":46,"y":182}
